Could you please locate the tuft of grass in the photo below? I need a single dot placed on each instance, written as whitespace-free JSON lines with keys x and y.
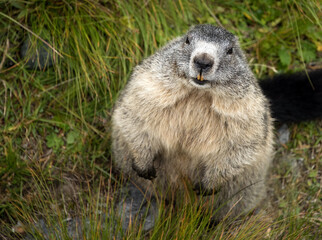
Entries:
{"x":296,"y":182}
{"x":55,"y":159}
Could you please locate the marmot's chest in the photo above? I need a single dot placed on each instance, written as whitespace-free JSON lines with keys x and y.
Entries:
{"x":192,"y":125}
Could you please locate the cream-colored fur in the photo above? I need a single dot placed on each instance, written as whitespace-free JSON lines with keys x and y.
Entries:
{"x":167,"y":130}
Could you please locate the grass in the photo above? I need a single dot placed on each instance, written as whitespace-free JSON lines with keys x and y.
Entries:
{"x":54,"y":122}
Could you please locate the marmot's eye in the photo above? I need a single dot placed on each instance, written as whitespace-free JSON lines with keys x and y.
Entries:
{"x":187,"y":41}
{"x":230,"y":51}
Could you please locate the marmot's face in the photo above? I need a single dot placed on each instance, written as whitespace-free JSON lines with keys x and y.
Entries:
{"x":215,"y":58}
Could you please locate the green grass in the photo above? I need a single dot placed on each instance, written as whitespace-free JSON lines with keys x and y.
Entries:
{"x":54,"y":123}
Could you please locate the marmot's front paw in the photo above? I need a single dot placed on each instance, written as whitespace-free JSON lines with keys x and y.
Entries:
{"x":147,"y":173}
{"x":200,"y":189}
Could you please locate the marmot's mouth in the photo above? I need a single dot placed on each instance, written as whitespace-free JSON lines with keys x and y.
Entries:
{"x":199,"y":79}
{"x":199,"y":82}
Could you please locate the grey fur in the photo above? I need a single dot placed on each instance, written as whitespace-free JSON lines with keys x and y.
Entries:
{"x":169,"y":127}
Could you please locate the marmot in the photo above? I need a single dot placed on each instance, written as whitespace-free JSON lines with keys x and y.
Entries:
{"x":195,"y":111}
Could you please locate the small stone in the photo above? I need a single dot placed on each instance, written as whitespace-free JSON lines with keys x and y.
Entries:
{"x":284,"y":134}
{"x":40,"y":57}
{"x":18,"y":228}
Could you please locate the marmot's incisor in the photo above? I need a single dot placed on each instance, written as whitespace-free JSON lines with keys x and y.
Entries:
{"x":195,"y":111}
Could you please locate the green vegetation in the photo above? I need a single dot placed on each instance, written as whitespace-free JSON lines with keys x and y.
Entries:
{"x":55,"y":159}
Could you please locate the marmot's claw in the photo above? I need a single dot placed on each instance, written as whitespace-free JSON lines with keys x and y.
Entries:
{"x":149,"y":173}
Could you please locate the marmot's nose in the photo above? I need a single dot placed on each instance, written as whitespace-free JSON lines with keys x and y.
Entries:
{"x":203,"y":61}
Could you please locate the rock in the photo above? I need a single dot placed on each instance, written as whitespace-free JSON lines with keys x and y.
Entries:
{"x":135,"y":208}
{"x":40,"y":57}
{"x":49,"y":231}
{"x":131,"y":209}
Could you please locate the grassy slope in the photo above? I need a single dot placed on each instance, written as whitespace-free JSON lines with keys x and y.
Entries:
{"x":54,"y":123}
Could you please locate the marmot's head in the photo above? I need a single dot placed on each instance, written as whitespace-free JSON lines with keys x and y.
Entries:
{"x":214,"y":59}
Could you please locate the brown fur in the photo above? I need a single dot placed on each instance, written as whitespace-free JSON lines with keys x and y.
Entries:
{"x":212,"y":138}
